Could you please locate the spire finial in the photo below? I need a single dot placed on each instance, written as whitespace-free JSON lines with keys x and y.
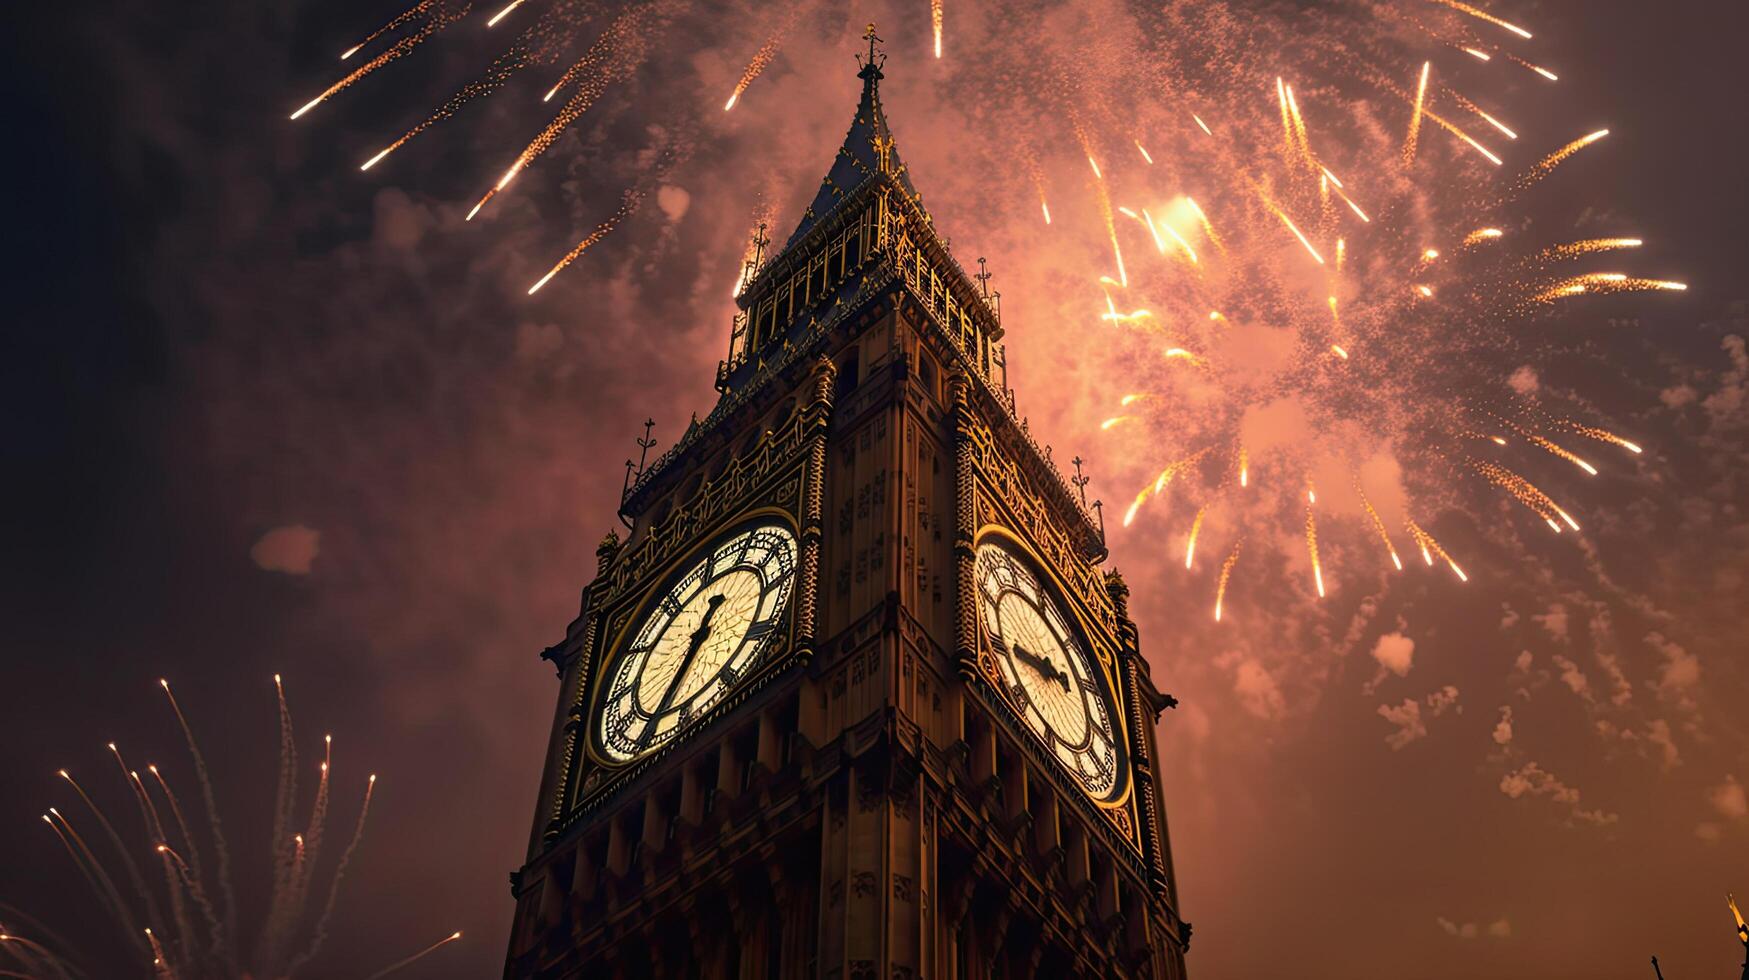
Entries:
{"x":871,"y":68}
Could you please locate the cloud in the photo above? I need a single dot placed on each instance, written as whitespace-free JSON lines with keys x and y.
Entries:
{"x":1678,"y":396}
{"x":1728,"y":799}
{"x":1407,"y":718}
{"x":1508,"y":616}
{"x":1708,"y":831}
{"x":1524,"y":380}
{"x":1257,"y":690}
{"x":1410,"y":722}
{"x":1658,"y":734}
{"x":1575,"y":679}
{"x":1531,"y":779}
{"x":1395,"y":652}
{"x":1503,"y":729}
{"x":1554,"y":622}
{"x":290,"y":549}
{"x":673,"y":201}
{"x":1500,"y":928}
{"x":1443,"y":699}
{"x":1681,"y":669}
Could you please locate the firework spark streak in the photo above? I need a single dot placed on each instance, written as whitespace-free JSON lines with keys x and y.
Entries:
{"x":1317,"y":136}
{"x":767,"y":51}
{"x":177,"y":947}
{"x":436,"y":15}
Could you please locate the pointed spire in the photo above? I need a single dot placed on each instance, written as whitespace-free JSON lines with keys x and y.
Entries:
{"x":868,"y":152}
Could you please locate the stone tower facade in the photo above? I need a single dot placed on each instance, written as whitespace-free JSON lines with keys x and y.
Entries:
{"x":854,"y":699}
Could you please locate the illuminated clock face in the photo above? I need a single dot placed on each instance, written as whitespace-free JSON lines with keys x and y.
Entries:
{"x":712,"y":624}
{"x":1049,"y":677}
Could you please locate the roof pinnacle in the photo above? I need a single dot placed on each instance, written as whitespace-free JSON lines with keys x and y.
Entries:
{"x":871,"y":67}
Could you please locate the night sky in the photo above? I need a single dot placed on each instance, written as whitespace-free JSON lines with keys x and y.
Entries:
{"x":264,"y":413}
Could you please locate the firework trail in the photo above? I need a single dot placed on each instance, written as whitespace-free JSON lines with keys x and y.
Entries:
{"x":226,"y":895}
{"x":29,"y":954}
{"x":666,"y":159}
{"x":1226,"y":575}
{"x":101,"y":884}
{"x":437,"y":14}
{"x":1326,"y":215}
{"x":128,"y":864}
{"x":767,"y":51}
{"x":409,"y":961}
{"x":1547,"y":164}
{"x":319,"y":934}
{"x":538,"y":47}
{"x":178,"y":952}
{"x":613,"y":56}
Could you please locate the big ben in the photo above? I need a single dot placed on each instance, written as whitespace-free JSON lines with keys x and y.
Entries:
{"x":855,"y":698}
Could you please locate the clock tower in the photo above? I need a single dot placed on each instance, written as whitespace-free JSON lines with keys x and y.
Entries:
{"x":854,"y":698}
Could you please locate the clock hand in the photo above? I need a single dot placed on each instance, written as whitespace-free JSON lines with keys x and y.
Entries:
{"x":1043,"y":665}
{"x":699,"y":636}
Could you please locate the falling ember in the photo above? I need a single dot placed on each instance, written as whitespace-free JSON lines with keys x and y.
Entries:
{"x":1095,"y":165}
{"x":1145,"y":155}
{"x":1588,"y":246}
{"x":1549,"y":163}
{"x":1604,"y":282}
{"x":1481,"y":235}
{"x":1525,"y":492}
{"x":500,"y":15}
{"x":1195,"y":529}
{"x":629,"y":202}
{"x":1312,"y":549}
{"x":1485,"y":16}
{"x":1124,"y":317}
{"x":1478,"y":53}
{"x":1244,"y":468}
{"x":1116,"y":421}
{"x":1204,"y":126}
{"x":1560,"y":452}
{"x":1453,"y":129}
{"x":1226,"y":574}
{"x":1297,"y":234}
{"x":1497,"y":124}
{"x":1422,"y":541}
{"x":1129,"y":400}
{"x":1160,"y":483}
{"x":437,"y":14}
{"x":1338,"y":351}
{"x":1379,"y":528}
{"x":416,"y":957}
{"x":1207,"y":227}
{"x":767,"y":51}
{"x":1592,"y":432}
{"x":1409,"y":142}
{"x":1046,"y":207}
{"x":935,"y":22}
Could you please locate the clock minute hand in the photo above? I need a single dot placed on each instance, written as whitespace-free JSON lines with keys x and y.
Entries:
{"x":699,"y":636}
{"x":1045,"y":668}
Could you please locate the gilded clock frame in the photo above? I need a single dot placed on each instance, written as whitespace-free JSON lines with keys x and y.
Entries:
{"x":632,"y":615}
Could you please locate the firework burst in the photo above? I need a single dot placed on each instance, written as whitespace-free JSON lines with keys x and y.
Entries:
{"x":176,"y":929}
{"x":1303,"y":234}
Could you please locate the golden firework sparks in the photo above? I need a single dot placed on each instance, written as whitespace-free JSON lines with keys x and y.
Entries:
{"x":1190,"y":545}
{"x":1226,"y":576}
{"x":1485,"y":16}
